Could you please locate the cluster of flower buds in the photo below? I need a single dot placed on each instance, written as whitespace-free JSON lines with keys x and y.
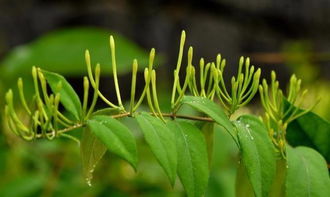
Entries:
{"x":281,"y":110}
{"x":149,"y":92}
{"x":47,"y":121}
{"x":44,"y":116}
{"x":211,"y":81}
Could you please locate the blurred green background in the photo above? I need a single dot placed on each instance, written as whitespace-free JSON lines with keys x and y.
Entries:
{"x":286,"y":36}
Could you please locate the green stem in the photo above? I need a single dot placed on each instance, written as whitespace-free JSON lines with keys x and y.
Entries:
{"x":126,"y":114}
{"x":97,"y":81}
{"x":146,"y":77}
{"x":154,"y":93}
{"x":91,"y":78}
{"x":86,"y":92}
{"x":222,"y":82}
{"x":43,"y":87}
{"x":147,"y":81}
{"x":10,"y":122}
{"x":201,"y":76}
{"x":185,"y":85}
{"x":114,"y":70}
{"x":35,"y":82}
{"x":21,"y":95}
{"x":55,"y":119}
{"x":71,"y":138}
{"x":133,"y":85}
{"x":176,"y":77}
{"x":61,"y":116}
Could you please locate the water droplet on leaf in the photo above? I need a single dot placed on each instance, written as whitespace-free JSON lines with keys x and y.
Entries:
{"x":89,"y":182}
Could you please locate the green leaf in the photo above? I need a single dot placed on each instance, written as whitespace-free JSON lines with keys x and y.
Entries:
{"x":62,"y":51}
{"x":192,"y":157}
{"x":161,"y":141}
{"x":107,"y":111}
{"x":257,"y":152}
{"x":278,"y":186}
{"x":211,"y":109}
{"x":115,"y":136}
{"x":92,"y":151}
{"x":312,"y":131}
{"x":208,"y":131}
{"x":243,"y":187}
{"x":307,"y":173}
{"x":23,"y":185}
{"x":69,"y":97}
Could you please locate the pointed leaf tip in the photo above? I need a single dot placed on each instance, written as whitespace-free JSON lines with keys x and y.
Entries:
{"x":161,"y":141}
{"x":115,"y":136}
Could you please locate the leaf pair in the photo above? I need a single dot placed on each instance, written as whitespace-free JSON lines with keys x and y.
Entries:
{"x":257,"y":151}
{"x":304,"y":172}
{"x":105,"y":133}
{"x":312,"y":131}
{"x":180,"y":148}
{"x":190,"y":162}
{"x":258,"y":158}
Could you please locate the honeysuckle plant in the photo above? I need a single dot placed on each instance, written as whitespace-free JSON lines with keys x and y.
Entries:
{"x":180,"y":144}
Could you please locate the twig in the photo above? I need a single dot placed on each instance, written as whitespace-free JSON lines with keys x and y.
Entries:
{"x":127,"y":114}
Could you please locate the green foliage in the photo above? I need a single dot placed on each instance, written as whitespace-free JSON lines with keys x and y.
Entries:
{"x":211,"y":109}
{"x":280,"y":110}
{"x":27,"y":186}
{"x":312,"y":131}
{"x":92,"y":150}
{"x":68,"y":98}
{"x":183,"y":148}
{"x":307,"y":173}
{"x":243,"y":185}
{"x":257,"y":153}
{"x":161,"y":141}
{"x":208,"y":131}
{"x":192,"y":157}
{"x":62,"y":52}
{"x":115,"y":136}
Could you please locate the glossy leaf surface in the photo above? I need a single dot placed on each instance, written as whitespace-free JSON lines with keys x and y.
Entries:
{"x":307,"y":173}
{"x":161,"y":141}
{"x":92,"y":151}
{"x":192,"y":157}
{"x":211,"y":109}
{"x":115,"y":136}
{"x":310,"y":130}
{"x":68,"y":97}
{"x":257,"y":152}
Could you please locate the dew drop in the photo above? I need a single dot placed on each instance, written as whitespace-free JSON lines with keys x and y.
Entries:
{"x":249,"y":132}
{"x":88,"y":181}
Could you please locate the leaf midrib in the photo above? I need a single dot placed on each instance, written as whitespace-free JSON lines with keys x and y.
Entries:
{"x":303,"y":159}
{"x":124,"y":150}
{"x":190,"y":158}
{"x":159,"y":141}
{"x":119,"y":140}
{"x":258,"y":155}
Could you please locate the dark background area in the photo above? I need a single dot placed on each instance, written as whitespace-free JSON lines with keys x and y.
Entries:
{"x":231,"y":27}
